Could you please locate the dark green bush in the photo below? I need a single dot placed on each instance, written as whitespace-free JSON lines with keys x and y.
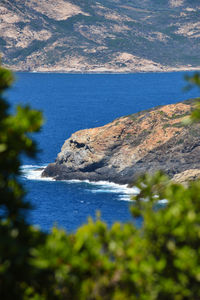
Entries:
{"x":16,"y":237}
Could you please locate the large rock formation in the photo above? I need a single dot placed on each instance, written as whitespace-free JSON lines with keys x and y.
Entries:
{"x":151,"y":140}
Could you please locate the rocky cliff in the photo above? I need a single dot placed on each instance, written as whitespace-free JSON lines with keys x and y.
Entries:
{"x":100,"y":36}
{"x":151,"y":140}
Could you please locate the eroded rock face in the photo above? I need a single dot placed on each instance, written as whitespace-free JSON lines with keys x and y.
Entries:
{"x":186,"y":176}
{"x":129,"y":146}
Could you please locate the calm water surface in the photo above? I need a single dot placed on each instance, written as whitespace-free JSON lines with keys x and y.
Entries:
{"x":71,"y":102}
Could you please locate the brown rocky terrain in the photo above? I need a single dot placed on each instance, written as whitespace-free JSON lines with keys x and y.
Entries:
{"x":120,"y":151}
{"x":100,"y":36}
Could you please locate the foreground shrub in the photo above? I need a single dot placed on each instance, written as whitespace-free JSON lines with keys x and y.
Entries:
{"x":160,"y":260}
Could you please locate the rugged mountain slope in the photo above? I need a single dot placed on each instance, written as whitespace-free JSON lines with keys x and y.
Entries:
{"x":119,"y":151}
{"x":89,"y":35}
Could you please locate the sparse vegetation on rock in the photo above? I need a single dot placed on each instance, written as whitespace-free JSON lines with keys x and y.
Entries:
{"x":124,"y":149}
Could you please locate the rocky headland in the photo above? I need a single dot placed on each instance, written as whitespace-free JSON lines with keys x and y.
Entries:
{"x":155,"y":139}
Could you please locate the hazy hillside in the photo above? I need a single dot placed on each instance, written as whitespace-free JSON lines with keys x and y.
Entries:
{"x":89,"y":35}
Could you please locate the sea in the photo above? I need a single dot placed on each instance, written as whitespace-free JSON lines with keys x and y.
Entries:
{"x":71,"y":102}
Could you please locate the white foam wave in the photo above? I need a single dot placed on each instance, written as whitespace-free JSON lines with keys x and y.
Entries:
{"x":123,"y":191}
{"x":34,"y":172}
{"x":125,"y":198}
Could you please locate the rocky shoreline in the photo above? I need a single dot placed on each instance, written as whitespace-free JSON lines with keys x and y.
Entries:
{"x":129,"y":146}
{"x":87,"y":69}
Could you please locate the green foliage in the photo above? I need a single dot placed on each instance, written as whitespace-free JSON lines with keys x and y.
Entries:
{"x":166,"y":125}
{"x":194,"y":81}
{"x":17,"y":237}
{"x":159,"y":260}
{"x":171,"y":234}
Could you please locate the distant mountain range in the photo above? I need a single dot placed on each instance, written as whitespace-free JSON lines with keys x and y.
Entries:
{"x":100,"y":36}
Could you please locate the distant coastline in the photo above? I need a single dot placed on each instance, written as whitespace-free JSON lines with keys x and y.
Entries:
{"x":113,"y":37}
{"x":107,"y":71}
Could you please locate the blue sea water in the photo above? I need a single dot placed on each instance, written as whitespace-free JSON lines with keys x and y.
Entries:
{"x":70,"y":102}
